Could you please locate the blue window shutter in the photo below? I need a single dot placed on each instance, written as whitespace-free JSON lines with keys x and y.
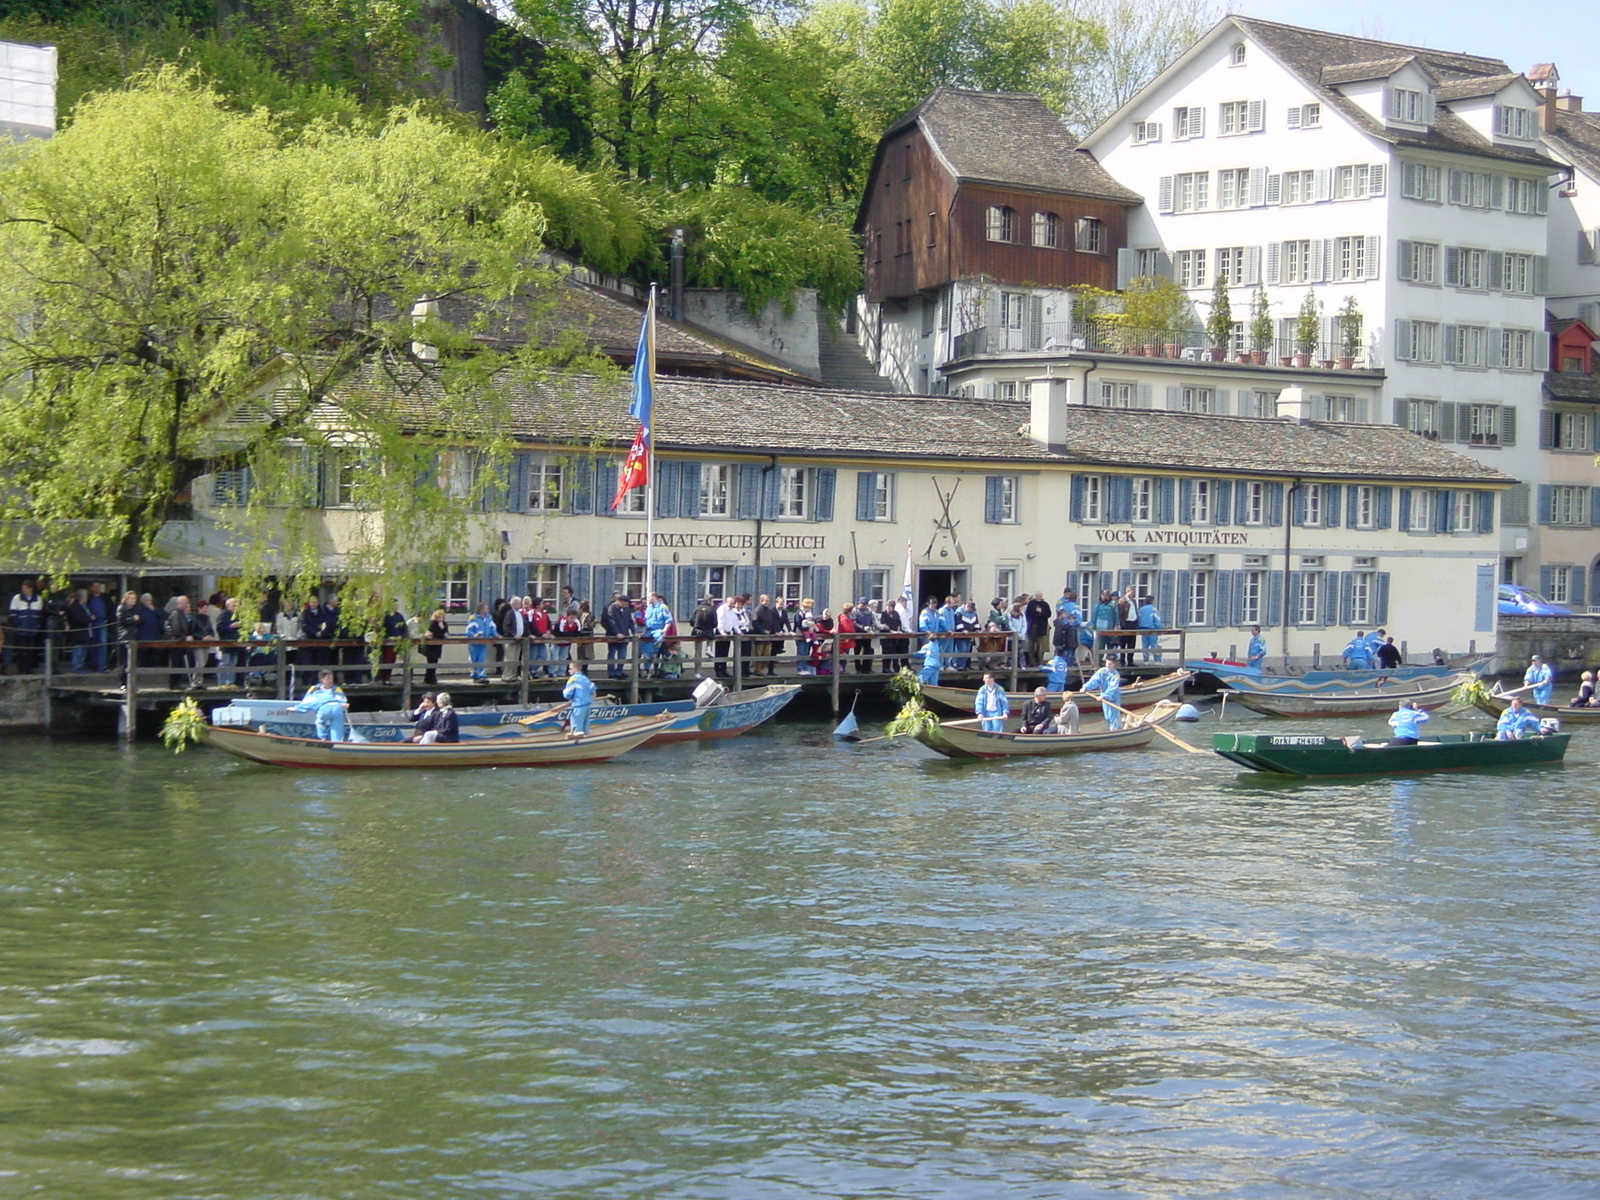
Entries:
{"x":1105,"y":586}
{"x":1546,"y":575}
{"x":1547,"y":503}
{"x":866,"y":484}
{"x":604,"y":582}
{"x":1180,"y":614}
{"x":1167,"y":596}
{"x":1185,"y":502}
{"x":662,"y":583}
{"x":819,"y":587}
{"x":1119,"y":509}
{"x":605,"y":487}
{"x":1441,"y":510}
{"x":749,"y":491}
{"x":1166,"y":501}
{"x":1380,"y":601}
{"x":687,"y":601}
{"x":769,"y":493}
{"x":1299,"y":517}
{"x":1222,"y":506}
{"x":827,"y":480}
{"x":1330,"y":597}
{"x":1347,"y":596}
{"x":991,"y":499}
{"x":1222,"y":599}
{"x":667,"y":494}
{"x":1405,"y":508}
{"x":1274,"y":599}
{"x":1486,"y":509}
{"x":1350,"y":502}
{"x":1076,"y":510}
{"x":1330,"y":504}
{"x":1385,"y":507}
{"x":517,"y":483}
{"x":578,"y":581}
{"x":766,"y":581}
{"x":1124,"y":578}
{"x":744,"y":581}
{"x":580,"y":496}
{"x":1236,"y":616}
{"x":1594,"y":506}
{"x":689,"y":489}
{"x":1575,"y":593}
{"x":516,"y":579}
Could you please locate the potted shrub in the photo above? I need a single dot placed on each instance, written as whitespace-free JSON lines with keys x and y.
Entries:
{"x":1305,"y":331}
{"x":1349,"y":333}
{"x":1155,"y":309}
{"x":1260,"y":327}
{"x":1219,"y":324}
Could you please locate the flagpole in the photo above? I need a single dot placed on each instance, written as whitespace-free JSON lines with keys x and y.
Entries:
{"x":650,"y":456}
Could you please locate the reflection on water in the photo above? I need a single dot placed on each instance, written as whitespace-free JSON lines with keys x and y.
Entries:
{"x":786,"y":968}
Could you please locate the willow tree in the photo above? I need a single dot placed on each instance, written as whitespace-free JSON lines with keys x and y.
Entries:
{"x":183,"y":292}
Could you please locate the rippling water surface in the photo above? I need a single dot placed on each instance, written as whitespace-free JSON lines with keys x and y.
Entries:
{"x":785,"y":968}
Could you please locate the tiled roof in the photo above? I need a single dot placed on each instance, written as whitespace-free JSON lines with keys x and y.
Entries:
{"x":1466,"y":89}
{"x":1360,"y":72}
{"x":1009,"y":138}
{"x":699,"y":416}
{"x":1576,"y":137}
{"x":1310,"y":53}
{"x":1560,"y":385}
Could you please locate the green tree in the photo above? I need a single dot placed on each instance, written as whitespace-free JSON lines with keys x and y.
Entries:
{"x":1138,"y":38}
{"x":188,"y":291}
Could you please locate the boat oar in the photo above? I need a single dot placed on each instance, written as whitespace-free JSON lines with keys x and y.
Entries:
{"x":1171,"y":737}
{"x":537,"y":718}
{"x":1527,"y":687}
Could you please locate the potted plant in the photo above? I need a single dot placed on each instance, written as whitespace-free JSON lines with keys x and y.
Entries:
{"x":1305,"y":331}
{"x":1260,"y":327}
{"x":1349,"y":333}
{"x":1155,"y":309}
{"x":1219,"y":324}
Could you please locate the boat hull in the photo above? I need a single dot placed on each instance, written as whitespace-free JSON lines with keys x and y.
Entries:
{"x":1138,"y":694}
{"x":1341,"y":681}
{"x":525,"y":750}
{"x":1315,"y":755}
{"x":1427,"y":693}
{"x":964,"y":739}
{"x":1495,"y":705}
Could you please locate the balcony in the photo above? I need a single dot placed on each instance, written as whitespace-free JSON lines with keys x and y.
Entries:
{"x":1103,"y":336}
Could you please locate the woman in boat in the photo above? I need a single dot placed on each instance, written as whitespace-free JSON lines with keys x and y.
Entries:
{"x":1540,"y":678}
{"x":1515,"y":723}
{"x":1036,"y":714}
{"x":1404,"y":722}
{"x":427,"y":718}
{"x":1108,"y":683}
{"x":579,"y":690}
{"x":991,"y":705}
{"x":448,"y":728}
{"x":1067,"y":718}
{"x":1585,"y":696}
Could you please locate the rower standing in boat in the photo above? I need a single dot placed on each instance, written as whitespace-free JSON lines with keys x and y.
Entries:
{"x":1108,"y":683}
{"x":1256,"y":654}
{"x":1036,"y":714}
{"x":1540,"y":678}
{"x":992,"y":706}
{"x":328,"y":701}
{"x":579,"y":690}
{"x":931,"y":661}
{"x":1404,"y":723}
{"x":1356,"y":655}
{"x":1515,"y":723}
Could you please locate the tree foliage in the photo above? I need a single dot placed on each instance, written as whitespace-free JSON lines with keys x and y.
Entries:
{"x":186,"y":290}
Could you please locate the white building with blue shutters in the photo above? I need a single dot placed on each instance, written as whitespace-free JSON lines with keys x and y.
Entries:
{"x":1311,"y":529}
{"x":1408,"y":182}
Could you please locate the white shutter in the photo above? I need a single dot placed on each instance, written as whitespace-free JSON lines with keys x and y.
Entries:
{"x":1452,"y":266}
{"x":1541,"y":198}
{"x":1402,"y":340}
{"x":1174,"y":399}
{"x":1402,"y":267}
{"x":1258,"y":186}
{"x":1541,"y":278}
{"x":1221,"y":405}
{"x":1145,"y":395}
{"x":1252,"y":266}
{"x":1325,"y":184}
{"x":1274,"y":189}
{"x":1272,"y":262}
{"x":1495,"y":351}
{"x":1164,"y":203}
{"x":1377,"y":178}
{"x":1585,"y":246}
{"x":1321,"y":254}
{"x":1448,"y":345}
{"x":1197,"y":122}
{"x":1497,"y":191}
{"x":1373,"y":254}
{"x":1427,"y":108}
{"x":1494,"y":269}
{"x":1293,"y":116}
{"x":1257,"y":116}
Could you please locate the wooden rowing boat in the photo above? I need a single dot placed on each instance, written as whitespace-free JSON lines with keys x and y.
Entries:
{"x":1342,"y":681}
{"x":1140,"y":693}
{"x":1428,"y":693}
{"x":1494,"y":705}
{"x":966,"y":739}
{"x":521,"y":750}
{"x":1313,"y":754}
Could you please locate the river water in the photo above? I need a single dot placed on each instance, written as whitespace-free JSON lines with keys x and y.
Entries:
{"x":783,"y":968}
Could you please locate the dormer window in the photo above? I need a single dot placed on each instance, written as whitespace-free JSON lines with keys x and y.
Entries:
{"x":1236,"y":55}
{"x":999,"y":223}
{"x":1519,"y":123}
{"x":1409,"y":106}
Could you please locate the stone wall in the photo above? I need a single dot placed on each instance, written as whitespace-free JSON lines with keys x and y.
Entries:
{"x":21,"y":703}
{"x":1570,"y":644}
{"x":790,"y":338}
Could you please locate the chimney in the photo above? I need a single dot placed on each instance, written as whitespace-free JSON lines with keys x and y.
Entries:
{"x":1544,"y":77}
{"x":1569,"y":103}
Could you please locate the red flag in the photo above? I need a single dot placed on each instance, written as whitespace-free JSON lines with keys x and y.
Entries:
{"x":634,"y":473}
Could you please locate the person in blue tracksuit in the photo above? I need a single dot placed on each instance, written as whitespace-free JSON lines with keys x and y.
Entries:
{"x":1404,"y":722}
{"x":931,"y":661}
{"x":1108,"y":683}
{"x":1149,"y":618}
{"x":1055,"y":673}
{"x":580,"y":691}
{"x":657,"y":616}
{"x":1355,"y":654}
{"x":992,"y":706}
{"x":1256,"y":653}
{"x":1516,"y":722}
{"x":1541,"y":678}
{"x":327,"y":700}
{"x":1374,"y":643}
{"x":481,"y":626}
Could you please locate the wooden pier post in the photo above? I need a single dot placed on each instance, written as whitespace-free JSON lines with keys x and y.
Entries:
{"x":129,"y":719}
{"x":405,"y":674}
{"x":1016,"y":656}
{"x":634,"y":644}
{"x":833,"y":687}
{"x":49,"y":652}
{"x":280,"y":654}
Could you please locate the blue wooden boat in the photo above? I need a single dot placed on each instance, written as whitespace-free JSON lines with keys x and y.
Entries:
{"x":1243,"y":679}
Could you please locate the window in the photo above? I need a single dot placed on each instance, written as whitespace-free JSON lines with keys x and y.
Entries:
{"x":1046,"y":230}
{"x":1294,"y":261}
{"x":1483,"y":424}
{"x":455,"y":590}
{"x":1570,"y":431}
{"x":1419,"y":341}
{"x":1558,"y":584}
{"x":1197,"y":399}
{"x":792,"y":583}
{"x":1473,"y":189}
{"x":544,"y":581}
{"x":1013,"y":309}
{"x":1005,"y":582}
{"x":1258,"y":403}
{"x":1516,"y":349}
{"x":715,"y":480}
{"x":1305,"y":116}
{"x":1200,"y":502}
{"x":348,"y":469}
{"x":1145,"y":132}
{"x":1144,"y":500}
{"x":1350,"y":182}
{"x":905,"y":161}
{"x":1236,"y":55}
{"x":880,"y":497}
{"x":630,"y":580}
{"x":1421,"y":516}
{"x":1006,"y":389}
{"x":1419,"y":416}
{"x":1197,"y":599}
{"x":1192,"y":191}
{"x":1091,"y":235}
{"x":632,"y":504}
{"x":1308,"y":594}
{"x":998,"y":223}
{"x":1363,"y":506}
{"x":1463,"y":512}
{"x":1312,"y":493}
{"x":1088,"y":583}
{"x":454,"y":476}
{"x":1298,"y":187}
{"x":1465,"y":267}
{"x":1464,"y":345}
{"x":1094,"y":498}
{"x":1527,"y":196}
{"x":1252,"y":597}
{"x":1003,"y":499}
{"x":1419,"y":262}
{"x":1363,"y":586}
{"x":1344,"y":408}
{"x":231,"y":488}
{"x":545,"y":479}
{"x":1349,"y":258}
{"x":1255,"y":503}
{"x":1418,"y":181}
{"x":1233,"y":116}
{"x":1516,"y":274}
{"x":1188,"y":123}
{"x":1191,"y":266}
{"x":793,"y":493}
{"x":1568,"y":505}
{"x":1119,"y":395}
{"x":1232,"y":265}
{"x":1513,"y":122}
{"x":712,"y":581}
{"x":1407,"y":105}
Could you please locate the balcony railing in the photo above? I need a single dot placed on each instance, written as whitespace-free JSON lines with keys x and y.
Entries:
{"x":1104,"y":336}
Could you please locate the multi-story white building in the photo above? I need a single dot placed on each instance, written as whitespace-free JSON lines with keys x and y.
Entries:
{"x":27,"y":91}
{"x":1408,"y":180}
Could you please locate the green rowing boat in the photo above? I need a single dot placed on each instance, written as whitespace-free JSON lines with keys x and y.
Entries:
{"x":1313,"y":754}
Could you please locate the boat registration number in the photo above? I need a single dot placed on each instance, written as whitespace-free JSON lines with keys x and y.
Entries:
{"x":1299,"y":741}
